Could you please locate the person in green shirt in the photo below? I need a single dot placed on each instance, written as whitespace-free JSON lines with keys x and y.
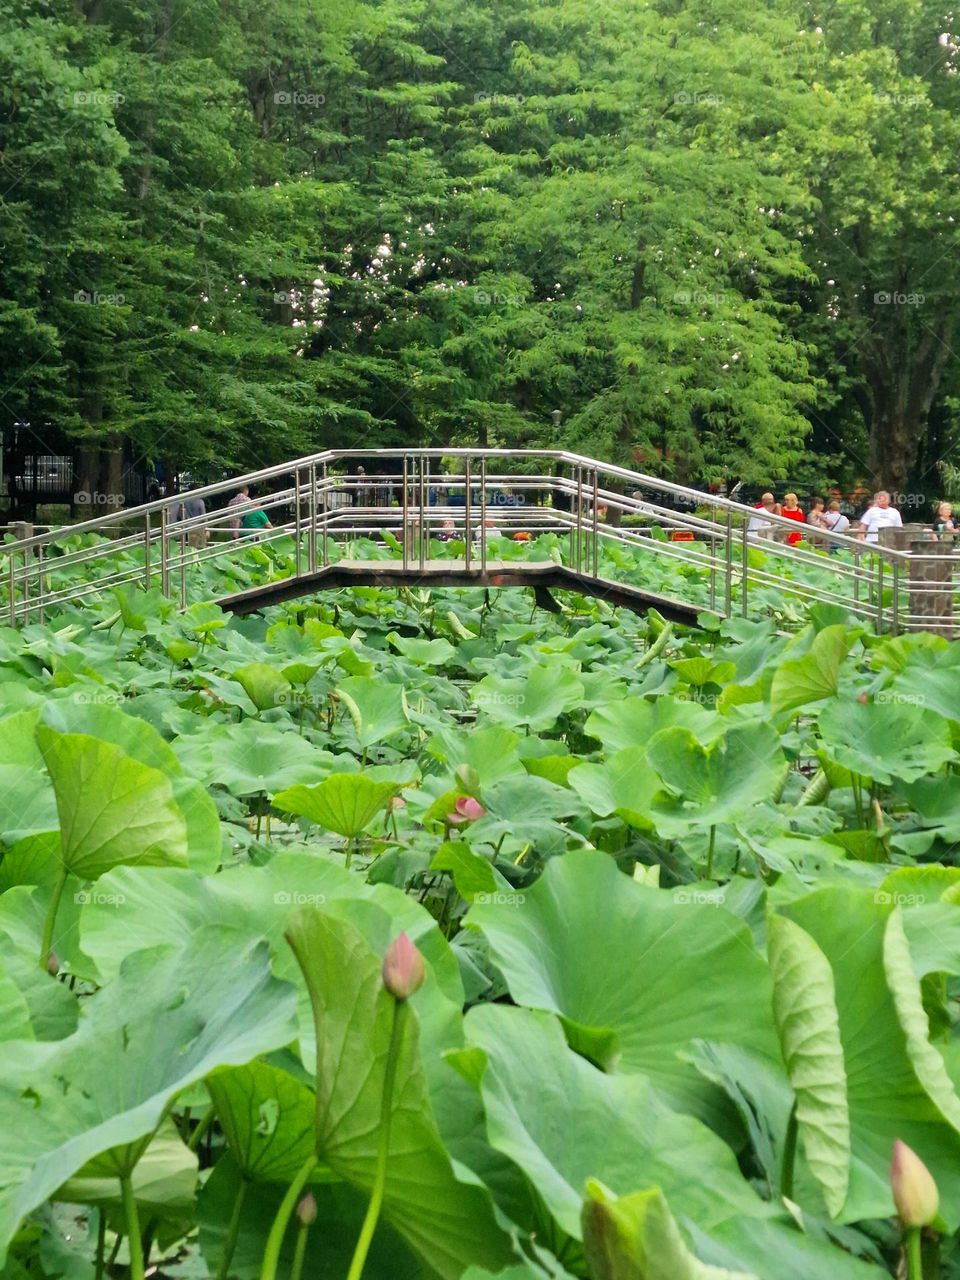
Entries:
{"x":254,"y":520}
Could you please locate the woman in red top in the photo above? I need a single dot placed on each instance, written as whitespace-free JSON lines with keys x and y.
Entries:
{"x":791,"y":510}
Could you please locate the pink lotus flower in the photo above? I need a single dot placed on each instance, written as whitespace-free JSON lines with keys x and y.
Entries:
{"x":403,"y":968}
{"x":465,"y":810}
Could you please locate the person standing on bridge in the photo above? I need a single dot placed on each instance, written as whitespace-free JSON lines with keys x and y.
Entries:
{"x":879,"y":515}
{"x":194,"y":508}
{"x":791,"y":510}
{"x":240,"y":499}
{"x":254,"y":520}
{"x":834,"y":521}
{"x":759,"y":526}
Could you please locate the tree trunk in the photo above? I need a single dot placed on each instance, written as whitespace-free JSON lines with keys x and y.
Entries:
{"x":902,"y":379}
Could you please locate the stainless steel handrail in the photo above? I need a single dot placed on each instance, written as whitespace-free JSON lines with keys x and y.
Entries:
{"x":158,"y":542}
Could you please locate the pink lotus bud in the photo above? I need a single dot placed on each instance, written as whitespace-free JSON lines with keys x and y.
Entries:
{"x":53,"y":964}
{"x":307,"y":1210}
{"x":465,"y":810}
{"x":914,"y":1190}
{"x":863,"y":696}
{"x":403,"y":969}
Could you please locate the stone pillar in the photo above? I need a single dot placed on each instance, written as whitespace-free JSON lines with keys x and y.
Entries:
{"x":930,"y":574}
{"x":22,"y":529}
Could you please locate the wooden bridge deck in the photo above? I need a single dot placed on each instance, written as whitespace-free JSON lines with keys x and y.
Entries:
{"x":541,"y":576}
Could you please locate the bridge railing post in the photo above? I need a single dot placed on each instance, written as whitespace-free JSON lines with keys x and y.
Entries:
{"x":483,"y":514}
{"x":728,"y":569}
{"x":467,"y":502}
{"x":596,"y":524}
{"x":147,"y":533}
{"x":298,"y":520}
{"x":164,"y":551}
{"x":744,"y":568}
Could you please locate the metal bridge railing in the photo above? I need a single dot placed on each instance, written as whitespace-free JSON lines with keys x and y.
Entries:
{"x":704,"y":553}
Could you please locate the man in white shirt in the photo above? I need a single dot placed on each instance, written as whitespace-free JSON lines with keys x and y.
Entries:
{"x":758,"y":527}
{"x":880,"y":515}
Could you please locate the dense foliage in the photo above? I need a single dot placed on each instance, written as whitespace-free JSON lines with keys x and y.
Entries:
{"x":715,"y":237}
{"x":687,"y":903}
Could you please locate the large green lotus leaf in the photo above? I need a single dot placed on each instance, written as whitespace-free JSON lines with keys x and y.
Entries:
{"x":171,"y":1017}
{"x":377,"y":708}
{"x":635,"y":974}
{"x":623,"y":784}
{"x":32,"y":859}
{"x":635,"y":1237}
{"x":622,"y":1132}
{"x":632,"y":722}
{"x":132,"y":735}
{"x":250,"y":758}
{"x":27,"y":802}
{"x":492,"y":751}
{"x":801,"y":681}
{"x":330,"y":1241}
{"x":535,"y":699}
{"x":344,"y":802}
{"x":168,"y":905}
{"x":15,"y":1023}
{"x":936,"y":802}
{"x":472,"y":874}
{"x":805,"y":1008}
{"x":717,"y":783}
{"x":263,"y":685}
{"x":113,"y":809}
{"x":448,"y":1222}
{"x":896,"y":1082}
{"x":425,"y":653}
{"x":51,"y":1008}
{"x":164,"y":1178}
{"x":931,"y":679}
{"x":267,"y":1116}
{"x":885,"y":741}
{"x":203,"y":823}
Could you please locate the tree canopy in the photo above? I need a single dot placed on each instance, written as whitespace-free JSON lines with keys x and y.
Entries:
{"x":720,"y":238}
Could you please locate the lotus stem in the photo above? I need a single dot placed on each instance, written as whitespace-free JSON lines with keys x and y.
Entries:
{"x":271,"y":1253}
{"x":788,"y":1159}
{"x":299,"y":1253}
{"x":48,"y":924}
{"x":233,"y":1230}
{"x":710,"y":849}
{"x":386,"y":1112}
{"x":197,"y":1136}
{"x":914,"y":1254}
{"x":132,"y":1218}
{"x":101,"y":1242}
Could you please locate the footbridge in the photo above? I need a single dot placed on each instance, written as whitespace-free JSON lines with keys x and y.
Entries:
{"x":547,"y":520}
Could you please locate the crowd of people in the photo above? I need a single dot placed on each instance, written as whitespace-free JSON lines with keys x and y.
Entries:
{"x":828,"y":518}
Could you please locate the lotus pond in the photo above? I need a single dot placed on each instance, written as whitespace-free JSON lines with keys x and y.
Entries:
{"x":688,"y":905}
